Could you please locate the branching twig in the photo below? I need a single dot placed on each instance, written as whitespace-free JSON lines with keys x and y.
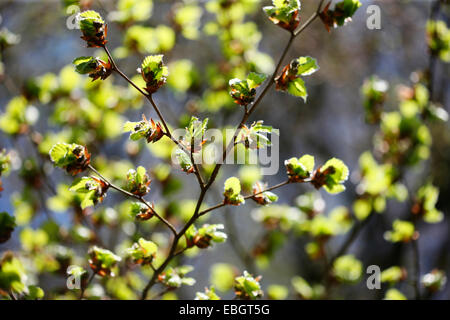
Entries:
{"x":141,"y":199}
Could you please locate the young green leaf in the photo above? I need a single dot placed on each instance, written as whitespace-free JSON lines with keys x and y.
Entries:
{"x":154,"y":72}
{"x":138,"y":181}
{"x":284,"y":13}
{"x":73,"y":158}
{"x":244,"y":91}
{"x":142,"y":252}
{"x":144,"y":129}
{"x":331,"y":176}
{"x":232,"y":190}
{"x":93,"y":28}
{"x":102,"y":261}
{"x":247,"y":287}
{"x":92,"y":190}
{"x":95,"y":67}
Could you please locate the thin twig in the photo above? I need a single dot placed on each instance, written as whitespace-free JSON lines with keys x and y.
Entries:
{"x":140,"y":198}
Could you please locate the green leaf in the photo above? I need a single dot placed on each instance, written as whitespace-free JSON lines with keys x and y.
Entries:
{"x":154,"y":72}
{"x":300,"y":169}
{"x":394,"y":294}
{"x":72,"y":157}
{"x":335,"y":173}
{"x":247,"y":287}
{"x":142,"y":252}
{"x":297,"y":88}
{"x":85,"y":65}
{"x":284,"y":13}
{"x":393,"y":275}
{"x":347,"y":269}
{"x":103,"y":261}
{"x":402,"y":231}
{"x":243,"y":91}
{"x":232,"y":190}
{"x":306,"y":66}
{"x":209,"y":294}
{"x":138,"y":181}
{"x":92,"y":190}
{"x":87,"y":19}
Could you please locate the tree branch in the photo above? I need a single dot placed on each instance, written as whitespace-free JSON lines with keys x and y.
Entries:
{"x":139,"y":198}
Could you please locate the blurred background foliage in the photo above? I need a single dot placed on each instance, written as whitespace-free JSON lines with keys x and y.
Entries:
{"x":390,"y":130}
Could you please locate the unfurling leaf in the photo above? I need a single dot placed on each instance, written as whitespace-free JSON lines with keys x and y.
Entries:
{"x":138,"y":181}
{"x":154,"y":72}
{"x":102,"y":261}
{"x":247,"y":287}
{"x":301,"y":169}
{"x":209,"y":294}
{"x":195,"y":134}
{"x":73,"y":158}
{"x":425,"y":204}
{"x":93,"y":28}
{"x":232,"y":192}
{"x":142,"y":252}
{"x":92,"y":190}
{"x":255,"y":136}
{"x":95,"y":67}
{"x":289,"y":80}
{"x":402,"y":231}
{"x":340,"y":15}
{"x":176,"y":277}
{"x":331,"y":176}
{"x":141,"y":212}
{"x":284,"y":13}
{"x":244,"y":91}
{"x":148,"y":130}
{"x":203,"y":236}
{"x":263,"y":198}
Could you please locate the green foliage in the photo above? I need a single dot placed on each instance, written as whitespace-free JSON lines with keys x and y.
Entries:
{"x":95,"y":67}
{"x":147,"y":40}
{"x":340,"y":15}
{"x":90,"y":189}
{"x":394,"y":294}
{"x":176,"y":277}
{"x":244,"y":91}
{"x":347,"y":269}
{"x":290,"y":81}
{"x":263,"y":198}
{"x":300,"y":169}
{"x":305,"y":291}
{"x":374,"y":92}
{"x":140,"y":211}
{"x":209,"y":294}
{"x":103,"y":261}
{"x":7,"y":225}
{"x":19,"y":115}
{"x":203,"y":236}
{"x":73,"y":158}
{"x":438,"y":37}
{"x":232,"y":192}
{"x":222,"y":276}
{"x":247,"y":287}
{"x":187,"y":17}
{"x":93,"y":28}
{"x":183,"y":75}
{"x":154,"y":72}
{"x":132,"y":10}
{"x":142,"y":252}
{"x":138,"y":181}
{"x":393,"y":275}
{"x":144,"y":129}
{"x":284,"y":13}
{"x":425,"y":204}
{"x":402,"y":231}
{"x":255,"y":136}
{"x":277,"y":292}
{"x":331,"y":176}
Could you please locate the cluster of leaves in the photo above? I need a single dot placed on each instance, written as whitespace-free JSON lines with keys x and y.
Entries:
{"x":340,"y":15}
{"x":91,"y":189}
{"x":149,"y":130}
{"x":103,"y":261}
{"x":176,"y":277}
{"x":138,"y":181}
{"x":142,"y":252}
{"x":290,"y":78}
{"x":284,"y":13}
{"x":73,"y":158}
{"x":244,"y":91}
{"x":203,"y":236}
{"x":331,"y":175}
{"x":438,"y":38}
